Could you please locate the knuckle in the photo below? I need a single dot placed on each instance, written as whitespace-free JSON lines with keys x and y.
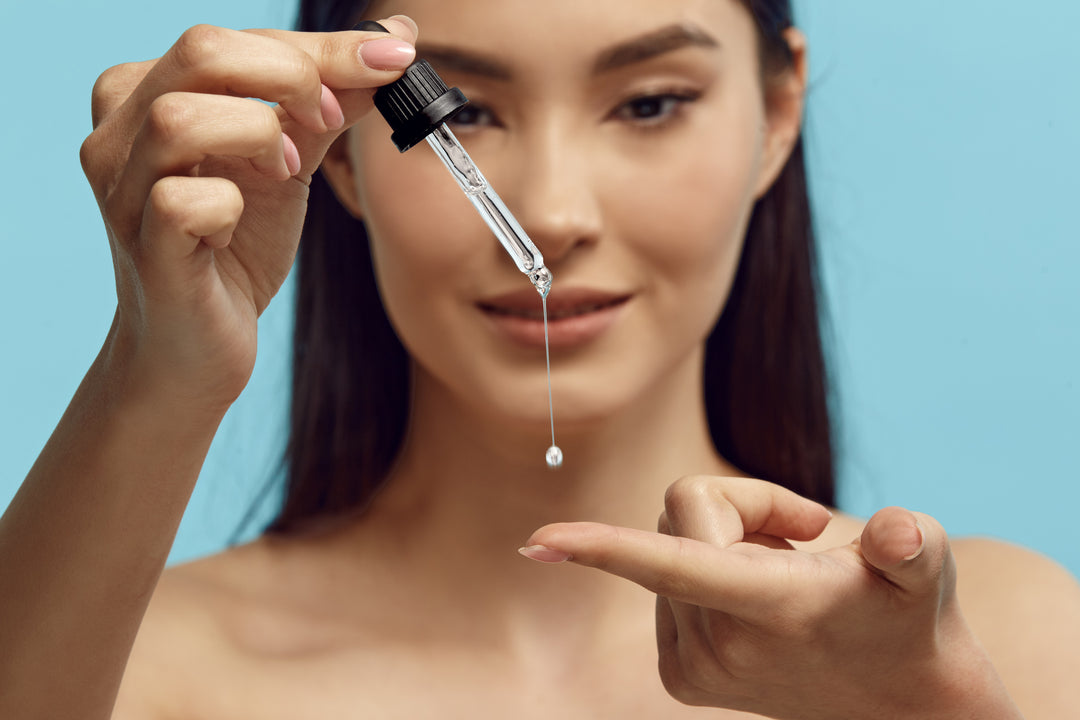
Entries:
{"x":686,"y":491}
{"x":304,"y":68}
{"x":89,"y":154}
{"x":109,"y":80}
{"x":673,"y":679}
{"x":168,"y":117}
{"x":325,"y":49}
{"x":111,"y":84}
{"x":168,"y":201}
{"x":265,"y":123}
{"x":101,"y":160}
{"x":232,"y":200}
{"x":198,"y":45}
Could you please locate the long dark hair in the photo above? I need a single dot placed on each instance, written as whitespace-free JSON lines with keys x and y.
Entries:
{"x":765,"y":384}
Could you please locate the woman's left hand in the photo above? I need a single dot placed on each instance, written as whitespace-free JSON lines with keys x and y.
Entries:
{"x":747,"y":622}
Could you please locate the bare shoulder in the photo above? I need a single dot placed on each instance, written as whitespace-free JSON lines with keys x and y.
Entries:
{"x":996,"y":577}
{"x":1025,"y":609}
{"x":185,"y":634}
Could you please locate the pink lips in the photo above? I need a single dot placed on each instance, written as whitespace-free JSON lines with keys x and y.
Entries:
{"x":575,"y":315}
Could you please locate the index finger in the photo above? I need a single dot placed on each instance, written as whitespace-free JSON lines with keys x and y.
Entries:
{"x":337,"y":54}
{"x":278,"y":66}
{"x":734,"y":580}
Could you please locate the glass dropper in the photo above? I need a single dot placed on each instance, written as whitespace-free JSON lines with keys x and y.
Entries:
{"x":417,"y":107}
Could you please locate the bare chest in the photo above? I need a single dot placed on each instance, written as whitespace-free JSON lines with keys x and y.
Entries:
{"x":353,"y":686}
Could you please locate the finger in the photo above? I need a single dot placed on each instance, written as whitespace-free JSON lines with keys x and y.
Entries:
{"x":724,"y":510}
{"x":910,"y":550}
{"x":681,"y":618}
{"x":288,"y":68}
{"x":184,"y":129}
{"x":737,"y":580}
{"x":354,"y":59}
{"x":769,"y":541}
{"x":215,"y":60}
{"x":670,"y":657}
{"x":183,"y":213}
{"x":114,"y":86}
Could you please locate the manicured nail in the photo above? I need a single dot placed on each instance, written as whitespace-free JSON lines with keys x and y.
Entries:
{"x":332,"y":113}
{"x":544,"y":554}
{"x":387,"y":54}
{"x":922,"y":543}
{"x":292,"y":155}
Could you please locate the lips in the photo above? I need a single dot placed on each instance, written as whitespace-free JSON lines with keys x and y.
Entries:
{"x":575,"y":315}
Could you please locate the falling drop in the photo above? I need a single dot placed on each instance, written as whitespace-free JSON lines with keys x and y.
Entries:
{"x":554,"y":453}
{"x":554,"y":456}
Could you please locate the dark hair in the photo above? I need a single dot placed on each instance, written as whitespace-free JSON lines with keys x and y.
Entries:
{"x":765,"y":383}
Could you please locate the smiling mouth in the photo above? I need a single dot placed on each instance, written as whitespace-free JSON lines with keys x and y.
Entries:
{"x":555,"y":312}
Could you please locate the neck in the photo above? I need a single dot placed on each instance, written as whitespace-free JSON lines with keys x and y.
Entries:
{"x":469,"y":489}
{"x":457,"y":462}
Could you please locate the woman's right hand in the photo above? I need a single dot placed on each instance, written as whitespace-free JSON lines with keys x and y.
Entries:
{"x":204,"y":189}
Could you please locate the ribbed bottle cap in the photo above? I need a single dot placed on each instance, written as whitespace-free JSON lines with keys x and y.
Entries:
{"x":417,"y":103}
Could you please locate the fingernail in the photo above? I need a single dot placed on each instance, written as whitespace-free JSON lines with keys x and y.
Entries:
{"x":922,"y":543}
{"x":387,"y":54}
{"x":332,"y":113}
{"x":543,"y":554}
{"x":292,"y":155}
{"x":406,"y":20}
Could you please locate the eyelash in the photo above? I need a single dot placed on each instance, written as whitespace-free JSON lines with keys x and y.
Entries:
{"x":675,"y":102}
{"x":671,"y":104}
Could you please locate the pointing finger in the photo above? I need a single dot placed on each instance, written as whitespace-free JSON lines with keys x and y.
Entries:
{"x":735,"y":580}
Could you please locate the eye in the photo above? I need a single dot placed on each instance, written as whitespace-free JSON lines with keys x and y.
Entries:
{"x":654,"y":108}
{"x":473,"y":117}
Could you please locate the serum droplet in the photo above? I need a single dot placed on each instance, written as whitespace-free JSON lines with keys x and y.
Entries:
{"x":554,"y":456}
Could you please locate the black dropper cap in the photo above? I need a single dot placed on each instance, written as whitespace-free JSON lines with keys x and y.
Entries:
{"x":417,"y":103}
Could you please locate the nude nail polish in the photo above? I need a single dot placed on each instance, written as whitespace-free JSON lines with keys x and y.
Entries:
{"x":544,"y":554}
{"x":387,"y":54}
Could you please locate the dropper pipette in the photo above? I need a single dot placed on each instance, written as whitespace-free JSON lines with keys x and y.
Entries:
{"x":417,"y":107}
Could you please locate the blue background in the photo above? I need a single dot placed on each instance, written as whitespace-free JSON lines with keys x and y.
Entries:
{"x":943,"y":142}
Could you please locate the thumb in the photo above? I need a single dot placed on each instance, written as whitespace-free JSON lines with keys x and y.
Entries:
{"x":908,"y":549}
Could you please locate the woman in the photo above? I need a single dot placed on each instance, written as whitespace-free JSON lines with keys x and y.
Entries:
{"x":640,"y":144}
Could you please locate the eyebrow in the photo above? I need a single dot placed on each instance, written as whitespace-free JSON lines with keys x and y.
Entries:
{"x":644,"y":47}
{"x":650,"y":45}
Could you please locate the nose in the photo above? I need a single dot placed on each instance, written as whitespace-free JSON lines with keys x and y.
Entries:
{"x":555,"y":195}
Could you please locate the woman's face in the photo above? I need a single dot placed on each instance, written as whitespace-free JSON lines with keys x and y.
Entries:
{"x":630,"y":138}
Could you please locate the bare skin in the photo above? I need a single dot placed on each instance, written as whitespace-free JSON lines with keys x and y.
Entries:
{"x":266,"y":625}
{"x":421,"y":608}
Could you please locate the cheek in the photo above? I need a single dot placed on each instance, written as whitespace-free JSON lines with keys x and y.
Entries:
{"x":688,"y":216}
{"x":410,"y":206}
{"x":425,"y":237}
